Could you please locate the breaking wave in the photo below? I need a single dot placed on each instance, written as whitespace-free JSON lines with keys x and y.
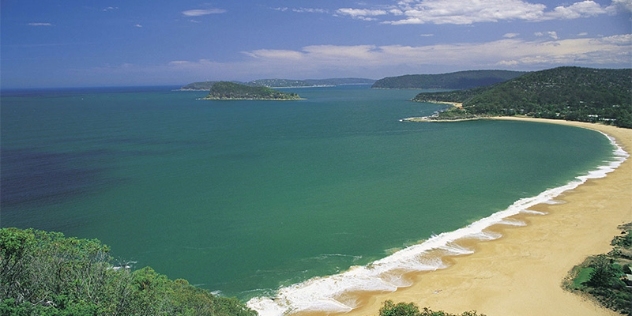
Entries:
{"x":327,"y":294}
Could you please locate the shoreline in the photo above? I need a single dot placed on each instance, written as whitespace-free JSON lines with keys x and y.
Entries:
{"x":514,"y":266}
{"x":521,"y":273}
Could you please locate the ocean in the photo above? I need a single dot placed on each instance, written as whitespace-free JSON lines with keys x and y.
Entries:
{"x":300,"y":201}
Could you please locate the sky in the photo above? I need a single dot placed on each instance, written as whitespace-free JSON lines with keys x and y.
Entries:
{"x":47,"y":44}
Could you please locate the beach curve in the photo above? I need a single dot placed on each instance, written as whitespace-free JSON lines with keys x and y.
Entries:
{"x":521,"y":272}
{"x":447,"y":251}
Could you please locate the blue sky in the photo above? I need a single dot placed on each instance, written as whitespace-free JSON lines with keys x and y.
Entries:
{"x":123,"y":43}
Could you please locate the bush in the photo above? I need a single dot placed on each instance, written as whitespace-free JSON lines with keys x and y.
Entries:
{"x":45,"y":273}
{"x":410,"y":309}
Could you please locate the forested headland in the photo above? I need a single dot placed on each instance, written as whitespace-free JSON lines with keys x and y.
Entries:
{"x":455,"y":80}
{"x":567,"y":93}
{"x":46,"y":273}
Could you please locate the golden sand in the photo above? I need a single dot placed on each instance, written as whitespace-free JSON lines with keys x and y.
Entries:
{"x":521,"y":273}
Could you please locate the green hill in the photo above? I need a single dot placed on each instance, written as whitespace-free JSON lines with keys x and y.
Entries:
{"x":570,"y":93}
{"x":281,"y":83}
{"x":225,"y":90}
{"x":285,"y":83}
{"x":456,"y":80}
{"x":201,"y":85}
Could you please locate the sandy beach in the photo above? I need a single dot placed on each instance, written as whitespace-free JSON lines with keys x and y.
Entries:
{"x":521,"y":273}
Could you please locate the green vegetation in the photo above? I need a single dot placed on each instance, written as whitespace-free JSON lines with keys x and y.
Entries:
{"x":410,"y":309}
{"x":45,"y":273}
{"x":607,"y":277}
{"x":279,"y":83}
{"x":456,"y":80}
{"x":202,"y":85}
{"x":225,"y":90}
{"x":570,"y":93}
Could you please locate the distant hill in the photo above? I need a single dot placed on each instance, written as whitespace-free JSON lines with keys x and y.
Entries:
{"x":570,"y":93}
{"x":224,"y":90}
{"x":285,"y":83}
{"x":456,"y":80}
{"x":202,"y":85}
{"x":282,"y":83}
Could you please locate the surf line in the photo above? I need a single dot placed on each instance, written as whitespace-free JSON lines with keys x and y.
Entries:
{"x":327,"y":294}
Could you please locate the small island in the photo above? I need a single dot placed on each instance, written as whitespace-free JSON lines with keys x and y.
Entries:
{"x":224,"y":90}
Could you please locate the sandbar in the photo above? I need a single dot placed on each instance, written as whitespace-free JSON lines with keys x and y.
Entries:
{"x":521,"y":273}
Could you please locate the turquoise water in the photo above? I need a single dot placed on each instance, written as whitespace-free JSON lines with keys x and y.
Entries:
{"x":243,"y":197}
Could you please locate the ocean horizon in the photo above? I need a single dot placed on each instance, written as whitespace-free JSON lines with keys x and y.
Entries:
{"x":287,"y":205}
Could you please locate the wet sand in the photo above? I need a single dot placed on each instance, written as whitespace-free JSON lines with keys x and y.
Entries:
{"x":521,"y":273}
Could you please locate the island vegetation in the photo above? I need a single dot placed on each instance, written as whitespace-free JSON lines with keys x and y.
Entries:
{"x":46,"y":273}
{"x":456,"y":80}
{"x":607,"y":278}
{"x":284,"y":83}
{"x":225,"y":90}
{"x":567,"y":93}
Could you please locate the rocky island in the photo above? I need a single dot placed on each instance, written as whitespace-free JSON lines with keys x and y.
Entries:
{"x":224,"y":90}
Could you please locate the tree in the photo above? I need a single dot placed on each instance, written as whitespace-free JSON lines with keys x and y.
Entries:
{"x":604,"y":273}
{"x":45,"y":273}
{"x":399,"y":309}
{"x":410,"y":309}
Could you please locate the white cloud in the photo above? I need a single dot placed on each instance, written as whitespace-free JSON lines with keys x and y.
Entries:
{"x":275,"y":54}
{"x":378,"y":61}
{"x":138,"y":25}
{"x":551,"y":34}
{"x":309,"y":10}
{"x":476,"y":11}
{"x":40,"y":24}
{"x":620,"y":5}
{"x":511,"y":35}
{"x":200,"y":12}
{"x":110,"y":9}
{"x":362,"y":14}
{"x":576,"y":10}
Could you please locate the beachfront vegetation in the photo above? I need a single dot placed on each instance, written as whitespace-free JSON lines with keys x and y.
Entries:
{"x":410,"y":309}
{"x":568,"y":93}
{"x":225,"y":90}
{"x":607,"y":277}
{"x":45,"y":273}
{"x":455,"y":80}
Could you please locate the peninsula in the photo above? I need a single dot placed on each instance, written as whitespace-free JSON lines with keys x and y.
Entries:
{"x":563,"y":93}
{"x":455,"y":80}
{"x":224,"y":90}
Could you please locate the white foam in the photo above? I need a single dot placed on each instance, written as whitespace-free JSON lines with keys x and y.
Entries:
{"x":512,"y":222}
{"x":454,"y":249}
{"x":323,"y":293}
{"x":532,"y":212}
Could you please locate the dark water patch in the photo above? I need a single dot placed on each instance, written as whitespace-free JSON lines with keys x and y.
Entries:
{"x":31,"y":176}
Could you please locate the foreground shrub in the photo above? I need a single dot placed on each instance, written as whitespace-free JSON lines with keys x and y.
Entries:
{"x":45,"y":273}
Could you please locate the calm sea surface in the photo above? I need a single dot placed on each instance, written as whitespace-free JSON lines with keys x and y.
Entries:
{"x":243,"y":197}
